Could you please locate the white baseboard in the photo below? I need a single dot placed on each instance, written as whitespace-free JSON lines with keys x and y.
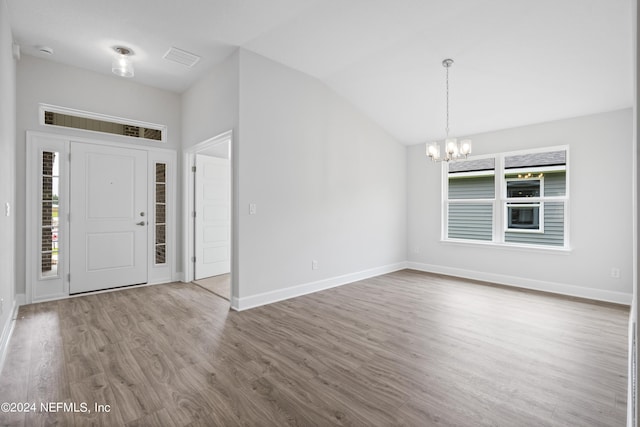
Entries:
{"x":21,"y":299}
{"x":521,"y":282}
{"x":7,"y":328}
{"x":245,"y":303}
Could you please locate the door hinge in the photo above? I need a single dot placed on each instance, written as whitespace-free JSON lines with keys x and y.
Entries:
{"x":69,"y":217}
{"x":69,"y":156}
{"x":193,"y":168}
{"x":69,"y":277}
{"x":193,"y":259}
{"x":193,"y":214}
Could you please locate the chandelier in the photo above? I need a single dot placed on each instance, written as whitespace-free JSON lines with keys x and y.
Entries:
{"x":454,"y":150}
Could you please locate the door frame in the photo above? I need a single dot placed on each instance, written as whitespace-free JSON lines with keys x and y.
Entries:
{"x":188,"y":230}
{"x":155,"y":274}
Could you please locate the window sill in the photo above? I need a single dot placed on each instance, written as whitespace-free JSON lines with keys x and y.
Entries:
{"x":509,"y":246}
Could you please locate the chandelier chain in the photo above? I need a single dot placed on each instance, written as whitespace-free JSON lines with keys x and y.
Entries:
{"x":447,"y":128}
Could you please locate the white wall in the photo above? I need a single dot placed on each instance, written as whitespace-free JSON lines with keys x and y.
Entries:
{"x":43,"y":81}
{"x":7,"y":170}
{"x":329,"y":184}
{"x":632,"y":398}
{"x":600,"y":212}
{"x":210,"y":106}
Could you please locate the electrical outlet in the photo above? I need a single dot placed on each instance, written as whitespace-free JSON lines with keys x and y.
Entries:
{"x":615,"y":272}
{"x":1,"y":305}
{"x":252,"y":208}
{"x":314,"y":264}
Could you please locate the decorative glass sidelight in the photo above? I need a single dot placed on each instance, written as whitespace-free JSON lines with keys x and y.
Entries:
{"x":50,"y":221}
{"x":161,"y":214}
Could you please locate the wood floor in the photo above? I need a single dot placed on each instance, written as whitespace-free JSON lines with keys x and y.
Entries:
{"x":406,"y":348}
{"x":219,"y":285}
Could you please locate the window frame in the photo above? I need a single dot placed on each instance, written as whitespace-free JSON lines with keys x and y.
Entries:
{"x":500,"y":220}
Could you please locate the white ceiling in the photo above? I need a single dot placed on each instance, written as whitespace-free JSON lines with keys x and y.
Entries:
{"x":517,"y":62}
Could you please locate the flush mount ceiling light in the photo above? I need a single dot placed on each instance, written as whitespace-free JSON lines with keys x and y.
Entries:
{"x":454,"y":150}
{"x":122,"y":65}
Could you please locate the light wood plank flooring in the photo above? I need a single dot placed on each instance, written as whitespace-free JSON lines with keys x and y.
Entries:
{"x":219,"y":285}
{"x":406,"y":348}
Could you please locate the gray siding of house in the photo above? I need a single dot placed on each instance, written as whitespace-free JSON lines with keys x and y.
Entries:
{"x":553,"y":228}
{"x":481,"y":187}
{"x":472,"y":221}
{"x":554,"y":184}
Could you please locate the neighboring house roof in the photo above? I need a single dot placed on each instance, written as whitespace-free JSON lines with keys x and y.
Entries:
{"x":549,"y":158}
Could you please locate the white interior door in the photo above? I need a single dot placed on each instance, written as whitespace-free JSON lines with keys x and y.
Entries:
{"x":108,"y":223}
{"x":213,"y":216}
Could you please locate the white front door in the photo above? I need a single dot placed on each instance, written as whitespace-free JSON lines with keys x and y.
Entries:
{"x":213,"y":216}
{"x":108,"y":224}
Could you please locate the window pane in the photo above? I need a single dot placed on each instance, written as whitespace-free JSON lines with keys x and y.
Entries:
{"x":161,"y":214}
{"x":161,"y":254}
{"x":49,"y":220}
{"x":553,"y":228}
{"x":523,"y":217}
{"x":476,"y":187}
{"x":555,"y":184}
{"x":472,"y":221}
{"x":524,"y":188}
{"x":160,"y":193}
{"x":549,"y":158}
{"x":161,"y":234}
{"x":161,"y":172}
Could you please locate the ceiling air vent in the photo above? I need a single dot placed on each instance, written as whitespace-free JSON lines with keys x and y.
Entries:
{"x":181,"y":57}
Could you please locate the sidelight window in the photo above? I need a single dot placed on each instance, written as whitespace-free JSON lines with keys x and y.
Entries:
{"x":49,"y":219}
{"x":161,"y":214}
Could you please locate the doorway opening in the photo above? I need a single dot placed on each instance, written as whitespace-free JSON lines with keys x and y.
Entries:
{"x":209,"y":215}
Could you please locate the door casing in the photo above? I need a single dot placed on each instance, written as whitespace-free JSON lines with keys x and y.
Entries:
{"x":61,"y":142}
{"x":188,"y":209}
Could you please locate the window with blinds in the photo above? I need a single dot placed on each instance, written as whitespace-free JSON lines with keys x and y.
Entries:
{"x":510,"y":198}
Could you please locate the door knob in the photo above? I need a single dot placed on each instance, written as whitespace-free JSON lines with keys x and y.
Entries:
{"x":140,"y":223}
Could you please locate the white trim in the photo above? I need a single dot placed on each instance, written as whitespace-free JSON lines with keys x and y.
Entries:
{"x":163,"y":273}
{"x":537,"y":169}
{"x":500,"y":201}
{"x":7,"y":329}
{"x":252,"y":301}
{"x":101,"y":291}
{"x":456,"y":175}
{"x":102,"y":117}
{"x":522,"y":282}
{"x":508,"y":246}
{"x":32,"y":211}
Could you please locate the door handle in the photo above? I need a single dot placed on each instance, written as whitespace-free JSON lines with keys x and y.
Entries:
{"x":140,"y":223}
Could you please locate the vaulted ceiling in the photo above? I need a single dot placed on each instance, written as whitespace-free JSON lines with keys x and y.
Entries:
{"x":517,"y":62}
